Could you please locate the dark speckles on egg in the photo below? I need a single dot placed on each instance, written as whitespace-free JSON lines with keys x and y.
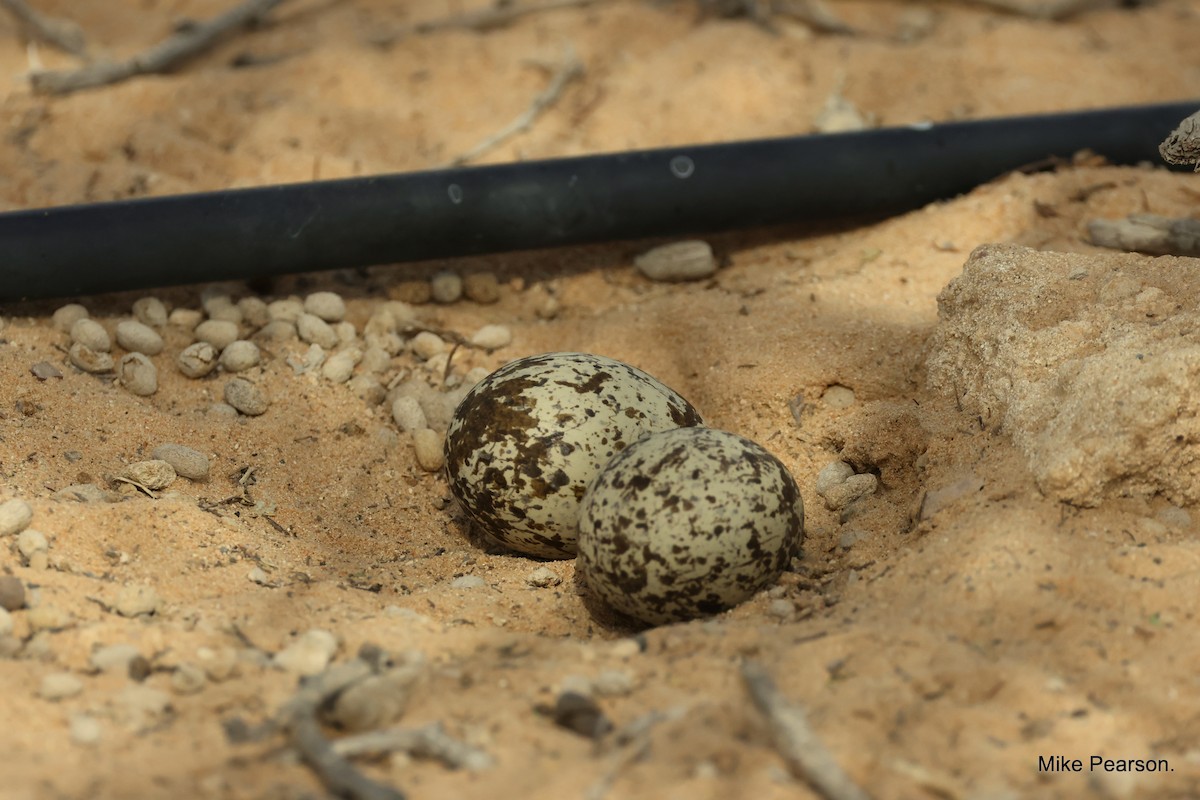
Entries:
{"x":723,"y":518}
{"x":527,"y":440}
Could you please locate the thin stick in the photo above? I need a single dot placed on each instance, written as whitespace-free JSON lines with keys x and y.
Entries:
{"x":298,"y":718}
{"x":181,"y":46}
{"x":570,"y":70}
{"x":1046,"y":9}
{"x":61,"y":33}
{"x":805,"y":754}
{"x":429,"y":741}
{"x":495,"y":16}
{"x":1148,"y":233}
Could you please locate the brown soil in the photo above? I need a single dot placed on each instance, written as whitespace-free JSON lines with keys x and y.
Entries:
{"x":938,"y":653}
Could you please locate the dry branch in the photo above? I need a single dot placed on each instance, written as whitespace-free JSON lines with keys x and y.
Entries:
{"x":801,"y":748}
{"x":61,"y":33}
{"x":179,"y":47}
{"x":1148,"y":233}
{"x":570,"y":70}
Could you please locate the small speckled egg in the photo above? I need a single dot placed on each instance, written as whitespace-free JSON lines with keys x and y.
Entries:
{"x":686,"y":523}
{"x":527,"y":440}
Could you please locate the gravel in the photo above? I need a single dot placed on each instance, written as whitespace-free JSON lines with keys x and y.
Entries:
{"x":32,"y":543}
{"x":136,"y":599}
{"x":309,"y":654}
{"x":15,"y":516}
{"x":467,"y":582}
{"x":427,"y":344}
{"x":286,"y":310}
{"x":153,"y":474}
{"x":415,"y":292}
{"x":831,"y":475}
{"x":329,"y":306}
{"x":254,"y":311}
{"x":340,"y":366}
{"x":430,"y":450}
{"x":219,"y":333}
{"x":89,"y":360}
{"x":408,"y":414}
{"x":678,"y":261}
{"x":85,"y":730}
{"x":543,"y":577}
{"x":277,"y":330}
{"x":492,"y":337}
{"x":240,"y":355}
{"x":197,"y":360}
{"x":376,"y":360}
{"x":138,"y":337}
{"x":246,"y":396}
{"x":368,"y":389}
{"x":137,"y":374}
{"x":59,"y":686}
{"x":186,"y":319}
{"x":188,"y":463}
{"x":91,"y":334}
{"x":446,"y":286}
{"x":113,"y":658}
{"x":482,"y":287}
{"x":188,"y":679}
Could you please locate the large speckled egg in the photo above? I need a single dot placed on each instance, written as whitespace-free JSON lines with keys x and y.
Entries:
{"x":686,"y":523}
{"x":527,"y":440}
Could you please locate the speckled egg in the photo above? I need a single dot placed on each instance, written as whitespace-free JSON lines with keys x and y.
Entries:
{"x":687,"y":523}
{"x":527,"y":440}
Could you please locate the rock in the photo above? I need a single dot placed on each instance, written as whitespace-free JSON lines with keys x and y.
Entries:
{"x":85,"y":493}
{"x":492,"y":337}
{"x":309,"y":654}
{"x":154,"y":474}
{"x":679,"y":261}
{"x":48,"y":617}
{"x":240,"y":355}
{"x":89,"y":360}
{"x":136,"y":599}
{"x":186,"y":319}
{"x":340,"y":366}
{"x":59,"y":685}
{"x":31,"y":543}
{"x":781,"y":609}
{"x":838,"y":396}
{"x":613,"y":683}
{"x":446,"y":286}
{"x":286,"y":310}
{"x":379,"y":700}
{"x":329,"y":306}
{"x":482,"y":287}
{"x":430,"y":449}
{"x":246,"y":397}
{"x":113,"y":658}
{"x":188,"y":679}
{"x":138,"y":337}
{"x":187,"y":463}
{"x":15,"y":516}
{"x":197,"y":360}
{"x":408,"y":414}
{"x":139,"y":707}
{"x":467,"y":582}
{"x":12,"y":593}
{"x":427,"y":345}
{"x":314,"y":330}
{"x":66,"y":316}
{"x":150,"y":311}
{"x":853,"y":488}
{"x":91,"y":334}
{"x":220,"y":333}
{"x":6,"y":624}
{"x":84,"y":729}
{"x":543,"y":577}
{"x":138,"y":375}
{"x":831,"y":475}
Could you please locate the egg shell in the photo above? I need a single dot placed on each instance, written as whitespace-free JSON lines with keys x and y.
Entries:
{"x":527,"y":440}
{"x":686,"y":523}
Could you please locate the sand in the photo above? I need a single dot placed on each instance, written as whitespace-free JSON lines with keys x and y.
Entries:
{"x":1021,"y":585}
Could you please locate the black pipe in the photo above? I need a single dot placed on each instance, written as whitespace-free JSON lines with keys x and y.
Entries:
{"x":249,"y":233}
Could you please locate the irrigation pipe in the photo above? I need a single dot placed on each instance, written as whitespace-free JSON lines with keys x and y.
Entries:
{"x":251,"y":233}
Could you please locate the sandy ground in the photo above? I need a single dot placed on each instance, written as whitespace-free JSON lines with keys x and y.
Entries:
{"x":972,"y":615}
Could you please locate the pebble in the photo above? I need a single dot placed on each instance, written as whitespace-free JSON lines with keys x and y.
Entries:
{"x":446,"y":286}
{"x":221,"y":307}
{"x":368,"y":389}
{"x":287,"y":310}
{"x":240,"y":355}
{"x":246,"y":397}
{"x":47,"y":618}
{"x":59,"y":686}
{"x":379,"y":700}
{"x":186,"y":319}
{"x":678,"y":261}
{"x":31,"y":542}
{"x":220,"y":664}
{"x":150,"y":311}
{"x":376,"y":360}
{"x":222,"y":411}
{"x":153,"y":474}
{"x":613,"y":683}
{"x":188,"y":679}
{"x":403,"y":315}
{"x":853,"y":488}
{"x":66,"y":316}
{"x":852,"y":537}
{"x":44,"y":370}
{"x":838,"y":396}
{"x":136,"y":599}
{"x":309,"y":654}
{"x":254,"y":311}
{"x":482,"y":287}
{"x":314,"y":330}
{"x":340,"y":366}
{"x":409,"y":415}
{"x":427,"y":344}
{"x":831,"y":475}
{"x":436,"y":365}
{"x":543,"y":577}
{"x":187,"y":463}
{"x":12,"y":593}
{"x":85,"y":729}
{"x":89,"y":360}
{"x":781,"y":609}
{"x":15,"y":516}
{"x":625,"y":649}
{"x":140,"y":706}
{"x":137,"y":374}
{"x":467,"y":582}
{"x":329,"y":306}
{"x":91,"y":334}
{"x":415,"y":292}
{"x":220,"y":333}
{"x":492,"y":337}
{"x":346,"y":332}
{"x":113,"y":658}
{"x":429,"y":446}
{"x":197,"y":360}
{"x":138,"y":337}
{"x":6,"y":623}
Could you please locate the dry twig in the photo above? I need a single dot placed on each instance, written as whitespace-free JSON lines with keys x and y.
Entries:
{"x":805,"y":754}
{"x":495,"y":16}
{"x":1046,"y":9}
{"x":569,"y":71}
{"x":177,"y":48}
{"x":1148,"y":233}
{"x":61,"y":33}
{"x":429,"y":741}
